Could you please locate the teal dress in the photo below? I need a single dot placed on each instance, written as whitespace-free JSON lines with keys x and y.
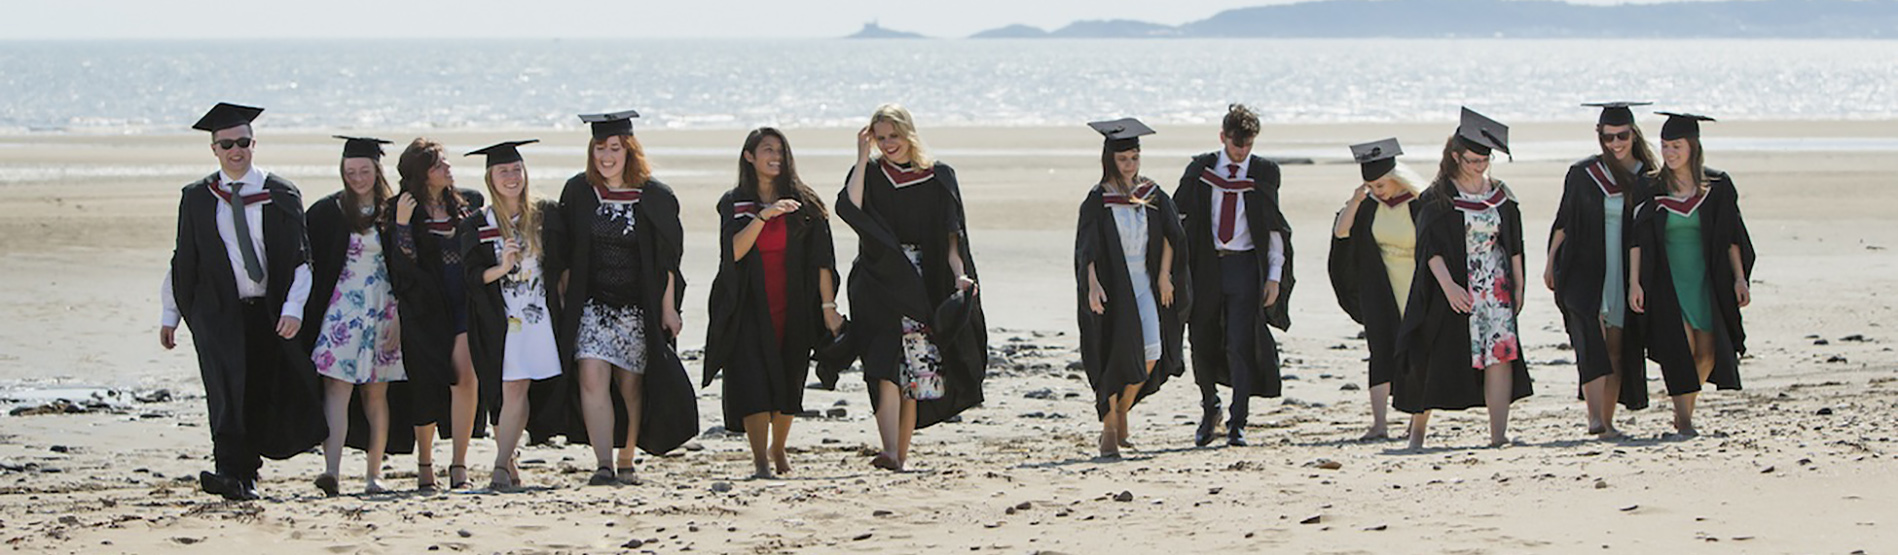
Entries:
{"x":1687,"y":265}
{"x":1614,"y":294}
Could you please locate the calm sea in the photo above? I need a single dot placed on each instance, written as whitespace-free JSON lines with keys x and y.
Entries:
{"x":161,"y":87}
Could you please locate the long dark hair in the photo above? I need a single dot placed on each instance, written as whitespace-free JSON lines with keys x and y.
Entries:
{"x":786,"y":185}
{"x":1110,"y":173}
{"x":421,"y":156}
{"x":353,"y":215}
{"x":1444,"y":186}
{"x":1639,"y":149}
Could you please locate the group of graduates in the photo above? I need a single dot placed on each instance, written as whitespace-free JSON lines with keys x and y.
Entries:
{"x":1649,"y":259}
{"x":384,"y":317}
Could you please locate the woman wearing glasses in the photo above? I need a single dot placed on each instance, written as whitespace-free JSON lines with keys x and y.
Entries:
{"x":1587,"y":266}
{"x":1457,"y":347}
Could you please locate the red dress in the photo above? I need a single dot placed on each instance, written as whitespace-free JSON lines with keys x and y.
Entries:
{"x":770,"y":247}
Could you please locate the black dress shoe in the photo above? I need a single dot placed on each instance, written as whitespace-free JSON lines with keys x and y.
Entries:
{"x":215,"y":484}
{"x":1207,"y":424}
{"x":228,"y":487}
{"x":246,"y":490}
{"x":1236,"y":437}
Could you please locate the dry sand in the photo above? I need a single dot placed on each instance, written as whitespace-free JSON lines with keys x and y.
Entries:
{"x":1800,"y":461}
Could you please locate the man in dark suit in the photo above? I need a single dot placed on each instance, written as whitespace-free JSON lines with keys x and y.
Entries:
{"x":239,"y":277}
{"x":1239,"y":247}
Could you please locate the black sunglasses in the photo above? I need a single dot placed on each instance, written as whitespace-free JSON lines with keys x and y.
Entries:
{"x":1622,"y":136}
{"x":240,"y":142}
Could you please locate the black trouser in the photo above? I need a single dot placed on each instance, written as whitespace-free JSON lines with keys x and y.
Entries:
{"x":235,"y":453}
{"x":1239,"y":280}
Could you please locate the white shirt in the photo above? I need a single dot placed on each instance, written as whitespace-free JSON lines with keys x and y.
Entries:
{"x":299,"y":293}
{"x":1242,"y":229}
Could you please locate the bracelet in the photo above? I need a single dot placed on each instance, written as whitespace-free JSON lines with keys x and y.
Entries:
{"x":829,"y":305}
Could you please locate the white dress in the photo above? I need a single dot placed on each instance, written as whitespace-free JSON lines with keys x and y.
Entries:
{"x":531,"y":353}
{"x":1131,"y":221}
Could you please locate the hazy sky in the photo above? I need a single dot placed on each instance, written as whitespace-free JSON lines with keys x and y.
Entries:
{"x":109,"y":19}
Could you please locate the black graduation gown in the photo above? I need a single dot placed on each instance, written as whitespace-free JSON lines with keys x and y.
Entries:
{"x":762,"y":375}
{"x":329,"y":252}
{"x":1363,"y":287}
{"x":1208,"y":330}
{"x":1722,"y":228}
{"x":205,"y":289}
{"x":488,"y":324}
{"x":1433,"y":342}
{"x":1113,"y":348}
{"x":1580,"y":266}
{"x":428,"y":334}
{"x":669,"y":413}
{"x":884,"y":287}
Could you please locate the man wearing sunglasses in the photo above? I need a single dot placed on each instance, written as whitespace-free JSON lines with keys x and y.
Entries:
{"x":239,"y":277}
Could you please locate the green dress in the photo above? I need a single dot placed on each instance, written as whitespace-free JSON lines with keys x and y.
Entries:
{"x":1687,"y":264}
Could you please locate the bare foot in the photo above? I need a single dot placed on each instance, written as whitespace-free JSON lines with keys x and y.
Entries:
{"x":1595,"y":427}
{"x":1110,"y":449}
{"x":761,"y":471}
{"x":1498,"y":442}
{"x":886,"y":462}
{"x":1611,"y":434}
{"x":371,"y":487}
{"x":781,"y":461}
{"x":1377,"y":433}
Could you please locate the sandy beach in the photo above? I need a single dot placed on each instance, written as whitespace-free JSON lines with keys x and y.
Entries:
{"x":1801,"y":461}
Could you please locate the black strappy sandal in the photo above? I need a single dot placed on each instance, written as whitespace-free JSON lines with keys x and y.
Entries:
{"x":463,"y":483}
{"x":425,"y":478}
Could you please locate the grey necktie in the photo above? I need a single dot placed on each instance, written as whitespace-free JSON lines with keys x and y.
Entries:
{"x":241,"y":224}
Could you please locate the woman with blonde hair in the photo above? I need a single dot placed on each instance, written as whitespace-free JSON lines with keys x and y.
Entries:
{"x":1372,"y":260}
{"x":920,"y":328}
{"x":619,"y":245}
{"x":1691,"y":263}
{"x":511,"y":306}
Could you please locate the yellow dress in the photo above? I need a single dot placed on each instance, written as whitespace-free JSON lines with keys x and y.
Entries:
{"x":1396,"y":237}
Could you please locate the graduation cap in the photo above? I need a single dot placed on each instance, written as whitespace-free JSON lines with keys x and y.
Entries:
{"x":1615,"y":113}
{"x":1376,"y":158}
{"x":1122,"y":134}
{"x":610,"y":125}
{"x":503,"y":153}
{"x":362,"y":147}
{"x":225,"y":116}
{"x":1482,"y":134}
{"x":1681,"y":126}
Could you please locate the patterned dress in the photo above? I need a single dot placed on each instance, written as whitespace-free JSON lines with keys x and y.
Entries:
{"x":530,"y":350}
{"x":1492,"y":310}
{"x":612,"y":325}
{"x":360,"y":342}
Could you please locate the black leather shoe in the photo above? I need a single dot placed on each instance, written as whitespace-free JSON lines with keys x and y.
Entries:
{"x":227,"y":487}
{"x":1236,"y":437}
{"x":1208,"y":421}
{"x":246,"y":490}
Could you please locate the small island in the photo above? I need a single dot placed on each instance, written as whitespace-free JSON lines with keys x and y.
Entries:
{"x":872,"y":30}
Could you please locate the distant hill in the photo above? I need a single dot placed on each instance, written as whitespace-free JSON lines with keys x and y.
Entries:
{"x":1512,"y":18}
{"x":872,"y":30}
{"x":1012,"y":32}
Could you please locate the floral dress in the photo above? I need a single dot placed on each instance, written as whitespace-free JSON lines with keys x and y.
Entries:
{"x":360,"y":342}
{"x":1492,"y":306}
